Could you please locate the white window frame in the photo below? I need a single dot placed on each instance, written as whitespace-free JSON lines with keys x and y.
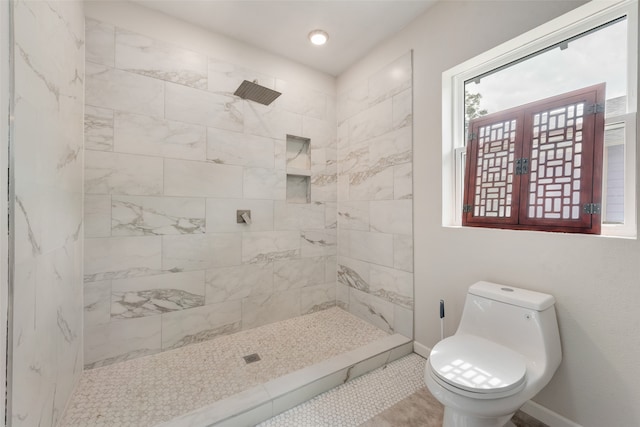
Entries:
{"x":573,"y":23}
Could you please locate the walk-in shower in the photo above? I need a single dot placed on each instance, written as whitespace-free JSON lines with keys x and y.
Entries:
{"x":135,"y":284}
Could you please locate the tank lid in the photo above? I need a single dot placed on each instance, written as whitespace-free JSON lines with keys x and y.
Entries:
{"x":514,"y":296}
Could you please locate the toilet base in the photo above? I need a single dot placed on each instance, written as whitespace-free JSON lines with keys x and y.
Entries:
{"x":459,"y":419}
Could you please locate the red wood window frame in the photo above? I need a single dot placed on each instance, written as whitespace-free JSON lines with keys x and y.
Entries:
{"x":538,"y":166}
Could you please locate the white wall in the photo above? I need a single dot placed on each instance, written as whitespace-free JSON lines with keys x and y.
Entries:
{"x":47,"y":221}
{"x":594,"y":279}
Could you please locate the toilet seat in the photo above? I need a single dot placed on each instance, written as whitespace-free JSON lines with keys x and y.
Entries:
{"x":474,"y":366}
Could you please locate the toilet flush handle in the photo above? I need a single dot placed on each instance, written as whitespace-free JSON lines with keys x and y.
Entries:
{"x":441,"y":319}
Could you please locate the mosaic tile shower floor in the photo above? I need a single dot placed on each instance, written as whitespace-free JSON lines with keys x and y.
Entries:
{"x":152,"y":389}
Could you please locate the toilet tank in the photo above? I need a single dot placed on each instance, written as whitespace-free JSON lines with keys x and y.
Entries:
{"x":522,"y":320}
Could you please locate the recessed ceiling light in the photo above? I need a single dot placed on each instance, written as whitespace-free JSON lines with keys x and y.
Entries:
{"x":318,"y":37}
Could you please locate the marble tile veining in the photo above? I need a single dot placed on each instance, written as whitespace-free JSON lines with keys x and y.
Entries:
{"x":200,"y":324}
{"x":375,"y":192}
{"x":108,"y":87}
{"x":98,"y":128}
{"x":97,"y":215}
{"x":260,"y":183}
{"x":201,"y":179}
{"x":153,"y":295}
{"x":268,"y":246}
{"x":189,"y":105}
{"x":115,"y":173}
{"x":139,"y":216}
{"x":97,"y":303}
{"x":153,"y":301}
{"x":100,"y":40}
{"x":200,"y":251}
{"x":152,"y":136}
{"x":121,"y":257}
{"x":237,"y":282}
{"x":376,"y":310}
{"x":171,"y":154}
{"x":149,"y":57}
{"x":224,"y":77}
{"x":112,"y":343}
{"x":49,"y":43}
{"x":235,"y":148}
{"x":318,"y":243}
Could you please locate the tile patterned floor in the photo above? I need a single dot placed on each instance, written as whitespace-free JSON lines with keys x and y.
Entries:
{"x":392,"y":396}
{"x":358,"y":400}
{"x":145,"y":391}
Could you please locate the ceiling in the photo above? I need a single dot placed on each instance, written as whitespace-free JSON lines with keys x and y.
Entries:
{"x":282,"y":26}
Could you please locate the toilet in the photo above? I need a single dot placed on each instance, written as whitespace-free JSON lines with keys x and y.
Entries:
{"x":504,"y":352}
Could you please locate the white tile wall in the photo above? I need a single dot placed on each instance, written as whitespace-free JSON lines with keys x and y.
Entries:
{"x":153,"y":295}
{"x":318,"y":243}
{"x":121,"y":340}
{"x":298,"y":273}
{"x":171,"y":155}
{"x":200,"y":251}
{"x":268,"y":246}
{"x":375,"y":189}
{"x":201,"y":179}
{"x":100,"y":46}
{"x":221,"y":215}
{"x":200,"y":324}
{"x":142,"y":215}
{"x":235,"y":148}
{"x":200,"y":107}
{"x":149,"y":57}
{"x":108,"y":87}
{"x":298,"y":216}
{"x":115,"y":173}
{"x":120,"y":257}
{"x":98,"y":128}
{"x":165,"y":141}
{"x":238,"y":282}
{"x":97,"y":303}
{"x":391,"y":216}
{"x":261,"y":309}
{"x":97,"y":215}
{"x":152,"y":136}
{"x":225,"y":77}
{"x":260,"y":183}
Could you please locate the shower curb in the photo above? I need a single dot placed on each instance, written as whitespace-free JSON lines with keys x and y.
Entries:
{"x":262,"y":402}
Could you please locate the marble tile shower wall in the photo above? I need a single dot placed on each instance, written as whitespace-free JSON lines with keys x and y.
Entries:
{"x":375,"y":218}
{"x":46,"y":350}
{"x":170,"y":155}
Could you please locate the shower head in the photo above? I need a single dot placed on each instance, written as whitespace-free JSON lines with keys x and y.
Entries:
{"x":255,"y":92}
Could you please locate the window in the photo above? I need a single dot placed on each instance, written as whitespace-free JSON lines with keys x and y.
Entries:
{"x":538,"y":166}
{"x":592,"y":44}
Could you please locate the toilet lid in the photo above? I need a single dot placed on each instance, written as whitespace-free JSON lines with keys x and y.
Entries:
{"x":477,"y":365}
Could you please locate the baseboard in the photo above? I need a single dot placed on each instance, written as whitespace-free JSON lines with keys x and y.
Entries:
{"x":421,"y":349}
{"x":546,"y":415}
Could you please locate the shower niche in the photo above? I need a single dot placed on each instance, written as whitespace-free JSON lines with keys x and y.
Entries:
{"x":298,"y":169}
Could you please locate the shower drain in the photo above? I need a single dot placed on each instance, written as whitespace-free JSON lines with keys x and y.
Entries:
{"x":251,"y":358}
